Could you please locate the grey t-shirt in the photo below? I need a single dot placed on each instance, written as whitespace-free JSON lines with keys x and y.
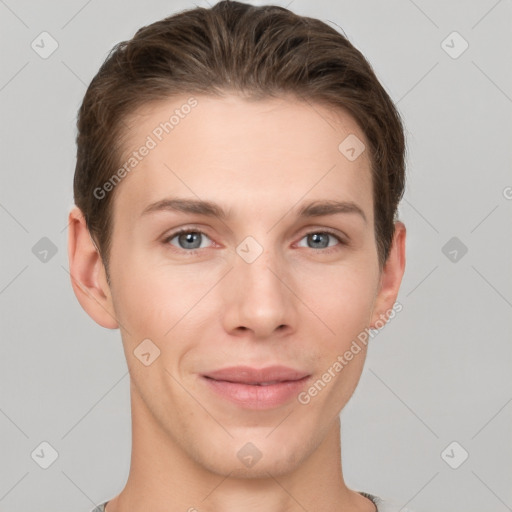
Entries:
{"x":383,"y":505}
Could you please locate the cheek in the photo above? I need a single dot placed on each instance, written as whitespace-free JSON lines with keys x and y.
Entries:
{"x":341,"y":298}
{"x":147,"y":303}
{"x":344,"y":304}
{"x":158,"y":301}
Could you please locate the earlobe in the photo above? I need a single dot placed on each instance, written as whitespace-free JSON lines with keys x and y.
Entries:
{"x":391,"y":278}
{"x":88,"y":276}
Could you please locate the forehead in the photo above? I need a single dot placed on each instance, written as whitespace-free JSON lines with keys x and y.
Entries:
{"x":254,"y":153}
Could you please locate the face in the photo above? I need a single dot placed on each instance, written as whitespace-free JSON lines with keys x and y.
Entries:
{"x":275,"y":265}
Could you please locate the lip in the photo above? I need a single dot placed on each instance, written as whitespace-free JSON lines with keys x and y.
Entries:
{"x":239,"y":384}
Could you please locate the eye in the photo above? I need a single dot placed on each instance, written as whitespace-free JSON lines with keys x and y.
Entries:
{"x":320,"y":240}
{"x":188,"y":240}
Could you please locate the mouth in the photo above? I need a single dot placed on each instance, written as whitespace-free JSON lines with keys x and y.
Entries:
{"x":269,"y":383}
{"x":253,"y":383}
{"x":251,"y":388}
{"x":262,"y":376}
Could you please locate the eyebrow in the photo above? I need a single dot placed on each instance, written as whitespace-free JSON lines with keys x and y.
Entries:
{"x":317,"y":208}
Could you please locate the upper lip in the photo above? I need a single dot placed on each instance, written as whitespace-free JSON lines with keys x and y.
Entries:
{"x":248,"y":375}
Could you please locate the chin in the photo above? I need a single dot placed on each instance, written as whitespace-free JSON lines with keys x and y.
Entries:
{"x":261,"y":470}
{"x":259,"y":458}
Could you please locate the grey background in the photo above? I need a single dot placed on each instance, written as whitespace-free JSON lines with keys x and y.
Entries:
{"x":438,"y":372}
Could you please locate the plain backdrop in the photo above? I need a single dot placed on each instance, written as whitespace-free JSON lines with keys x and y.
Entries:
{"x":436,"y":386}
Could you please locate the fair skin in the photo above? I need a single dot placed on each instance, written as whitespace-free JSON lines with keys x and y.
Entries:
{"x":298,"y":304}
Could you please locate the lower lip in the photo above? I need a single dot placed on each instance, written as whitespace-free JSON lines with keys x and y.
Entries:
{"x":257,"y":397}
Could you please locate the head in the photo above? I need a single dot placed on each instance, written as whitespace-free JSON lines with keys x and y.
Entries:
{"x":261,"y":120}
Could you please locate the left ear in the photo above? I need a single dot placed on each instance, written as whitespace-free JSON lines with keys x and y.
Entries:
{"x":391,"y":277}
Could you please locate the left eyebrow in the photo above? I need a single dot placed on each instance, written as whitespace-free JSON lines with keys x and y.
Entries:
{"x":321,"y":208}
{"x":211,"y":209}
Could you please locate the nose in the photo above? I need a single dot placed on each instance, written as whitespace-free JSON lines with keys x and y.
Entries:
{"x":258,"y":297}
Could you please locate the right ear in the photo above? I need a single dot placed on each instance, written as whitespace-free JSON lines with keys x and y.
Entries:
{"x":88,"y":275}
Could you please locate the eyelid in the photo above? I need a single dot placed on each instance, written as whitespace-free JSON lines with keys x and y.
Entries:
{"x":342,"y":237}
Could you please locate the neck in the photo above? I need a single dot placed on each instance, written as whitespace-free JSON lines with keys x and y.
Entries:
{"x":165,"y":478}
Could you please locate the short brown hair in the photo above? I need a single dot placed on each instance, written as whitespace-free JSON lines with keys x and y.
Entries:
{"x":261,"y":52}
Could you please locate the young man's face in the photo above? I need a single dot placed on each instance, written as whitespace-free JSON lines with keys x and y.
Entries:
{"x":261,"y":287}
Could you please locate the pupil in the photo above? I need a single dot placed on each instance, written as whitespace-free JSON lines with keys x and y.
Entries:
{"x":189,"y":238}
{"x":317,"y":238}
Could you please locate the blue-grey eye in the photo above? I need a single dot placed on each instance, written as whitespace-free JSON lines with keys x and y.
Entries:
{"x":188,"y":239}
{"x":320,"y":239}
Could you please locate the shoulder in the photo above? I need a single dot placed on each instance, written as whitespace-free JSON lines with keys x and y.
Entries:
{"x":385,"y":504}
{"x":382,"y":504}
{"x":99,"y":508}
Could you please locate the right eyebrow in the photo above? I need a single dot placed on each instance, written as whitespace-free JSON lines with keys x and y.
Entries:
{"x":199,"y":207}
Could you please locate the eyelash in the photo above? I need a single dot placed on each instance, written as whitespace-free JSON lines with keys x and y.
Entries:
{"x":192,"y":252}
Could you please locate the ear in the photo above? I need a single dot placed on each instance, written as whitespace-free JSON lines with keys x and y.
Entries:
{"x":391,"y":277}
{"x":88,"y":276}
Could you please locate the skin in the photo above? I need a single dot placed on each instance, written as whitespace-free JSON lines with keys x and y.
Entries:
{"x":296,"y":304}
